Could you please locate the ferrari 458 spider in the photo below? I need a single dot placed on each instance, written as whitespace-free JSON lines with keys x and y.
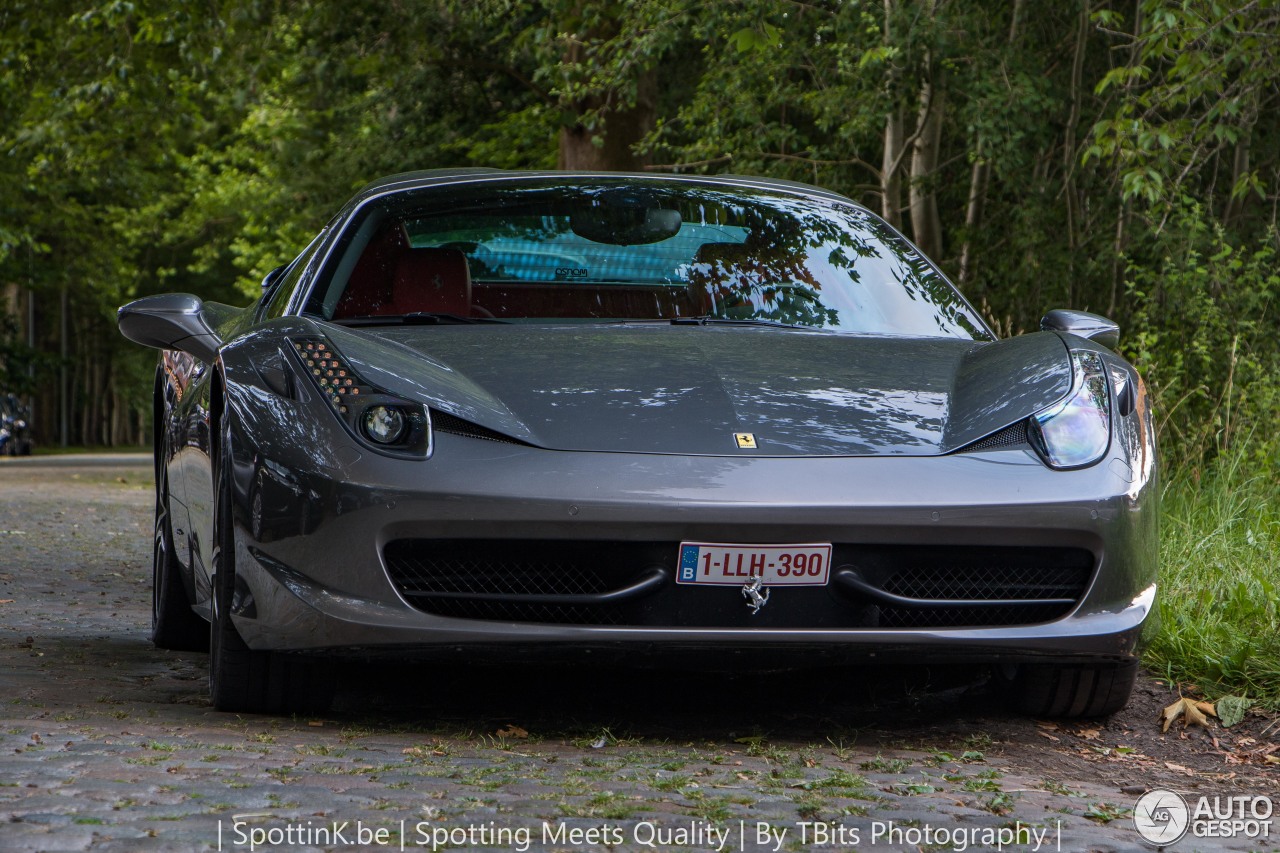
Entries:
{"x":492,"y":411}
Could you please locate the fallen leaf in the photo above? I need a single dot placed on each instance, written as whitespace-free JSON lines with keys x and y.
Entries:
{"x":1207,"y":708}
{"x":6,"y":601}
{"x":1231,"y":710}
{"x":1190,"y":711}
{"x":600,"y":742}
{"x":1090,"y":734}
{"x":319,"y":724}
{"x":512,"y":730}
{"x":1271,"y":759}
{"x":1178,"y":768}
{"x":1194,"y":715}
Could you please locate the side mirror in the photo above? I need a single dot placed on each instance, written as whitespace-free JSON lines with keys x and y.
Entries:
{"x":269,"y":280}
{"x":1093,"y":327}
{"x":170,"y":321}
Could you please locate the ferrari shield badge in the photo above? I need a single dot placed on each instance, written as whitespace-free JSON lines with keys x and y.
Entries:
{"x":751,"y":592}
{"x":746,"y":440}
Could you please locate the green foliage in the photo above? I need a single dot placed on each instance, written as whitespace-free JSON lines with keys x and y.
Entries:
{"x":1199,"y":76}
{"x":1220,"y":598}
{"x":1118,"y":155}
{"x":22,"y":367}
{"x":1203,"y":321}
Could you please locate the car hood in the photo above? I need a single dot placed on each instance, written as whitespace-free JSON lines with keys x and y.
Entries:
{"x":689,"y":389}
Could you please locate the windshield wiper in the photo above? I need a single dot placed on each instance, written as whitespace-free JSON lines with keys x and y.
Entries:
{"x":706,"y":320}
{"x":415,"y":318}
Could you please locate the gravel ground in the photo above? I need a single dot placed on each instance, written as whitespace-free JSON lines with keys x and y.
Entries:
{"x":109,"y":744}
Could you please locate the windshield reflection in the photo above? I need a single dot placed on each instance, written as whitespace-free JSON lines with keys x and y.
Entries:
{"x":639,"y":249}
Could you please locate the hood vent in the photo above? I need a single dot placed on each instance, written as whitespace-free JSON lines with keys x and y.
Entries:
{"x":445,"y":422}
{"x":1011,"y":436}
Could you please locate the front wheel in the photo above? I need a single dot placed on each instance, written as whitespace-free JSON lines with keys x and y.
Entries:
{"x":240,"y":678}
{"x":1070,"y":690}
{"x":174,"y":625}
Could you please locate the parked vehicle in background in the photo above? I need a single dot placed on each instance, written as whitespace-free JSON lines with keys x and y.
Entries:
{"x":15,"y":429}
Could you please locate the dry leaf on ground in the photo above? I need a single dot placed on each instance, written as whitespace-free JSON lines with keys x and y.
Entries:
{"x":1192,"y":714}
{"x":512,"y":730}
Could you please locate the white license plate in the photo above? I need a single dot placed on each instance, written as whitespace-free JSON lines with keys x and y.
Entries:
{"x":735,"y":565}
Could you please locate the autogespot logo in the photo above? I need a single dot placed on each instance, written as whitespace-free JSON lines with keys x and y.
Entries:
{"x":1161,"y":817}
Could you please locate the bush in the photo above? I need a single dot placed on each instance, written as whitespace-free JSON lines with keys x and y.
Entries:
{"x":1203,"y":331}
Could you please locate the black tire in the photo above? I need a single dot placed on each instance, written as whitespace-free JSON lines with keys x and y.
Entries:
{"x":174,"y":625}
{"x":242,"y":679}
{"x":1066,"y":691}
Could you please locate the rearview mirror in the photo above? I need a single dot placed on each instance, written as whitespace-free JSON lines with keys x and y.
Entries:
{"x":624,"y":225}
{"x":1093,"y":327}
{"x":170,"y":321}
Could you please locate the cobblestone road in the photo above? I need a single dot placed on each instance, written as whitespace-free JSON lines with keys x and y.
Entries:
{"x":107,"y":744}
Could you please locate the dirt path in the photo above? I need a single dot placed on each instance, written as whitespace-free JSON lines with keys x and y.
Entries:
{"x":108,"y":744}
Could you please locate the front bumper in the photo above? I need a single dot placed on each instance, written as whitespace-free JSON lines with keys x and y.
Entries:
{"x":323,"y":586}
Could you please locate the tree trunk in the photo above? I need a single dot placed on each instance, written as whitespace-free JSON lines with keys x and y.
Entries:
{"x":1069,"y":149}
{"x":1239,"y":168}
{"x":926,"y":224}
{"x":890,"y":182}
{"x":606,"y":125}
{"x":979,"y":177}
{"x":1117,"y":255}
{"x":973,"y":212}
{"x":610,"y":145}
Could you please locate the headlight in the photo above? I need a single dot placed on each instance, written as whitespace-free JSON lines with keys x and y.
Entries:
{"x":383,"y":424}
{"x":1077,"y":431}
{"x":378,"y":419}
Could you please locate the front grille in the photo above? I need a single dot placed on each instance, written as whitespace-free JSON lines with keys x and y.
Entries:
{"x":872,"y":586}
{"x":1008,"y":586}
{"x":465,"y":578}
{"x":983,"y":582}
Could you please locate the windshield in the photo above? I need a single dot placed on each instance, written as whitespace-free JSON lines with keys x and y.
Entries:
{"x":637,"y":250}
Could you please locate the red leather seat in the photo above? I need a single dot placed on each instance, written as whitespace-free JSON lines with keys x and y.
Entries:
{"x":368,"y":291}
{"x":434,"y":281}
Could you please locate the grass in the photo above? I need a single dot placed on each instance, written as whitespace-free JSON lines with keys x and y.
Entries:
{"x":1220,"y":578}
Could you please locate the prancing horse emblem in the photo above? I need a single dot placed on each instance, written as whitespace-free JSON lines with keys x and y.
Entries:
{"x":751,"y":592}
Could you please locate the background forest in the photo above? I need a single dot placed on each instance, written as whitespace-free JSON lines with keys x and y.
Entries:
{"x":1119,"y":156}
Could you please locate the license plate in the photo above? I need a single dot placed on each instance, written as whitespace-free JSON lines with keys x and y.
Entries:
{"x":734,"y":565}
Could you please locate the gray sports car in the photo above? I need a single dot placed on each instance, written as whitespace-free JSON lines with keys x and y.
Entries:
{"x":504,"y":411}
